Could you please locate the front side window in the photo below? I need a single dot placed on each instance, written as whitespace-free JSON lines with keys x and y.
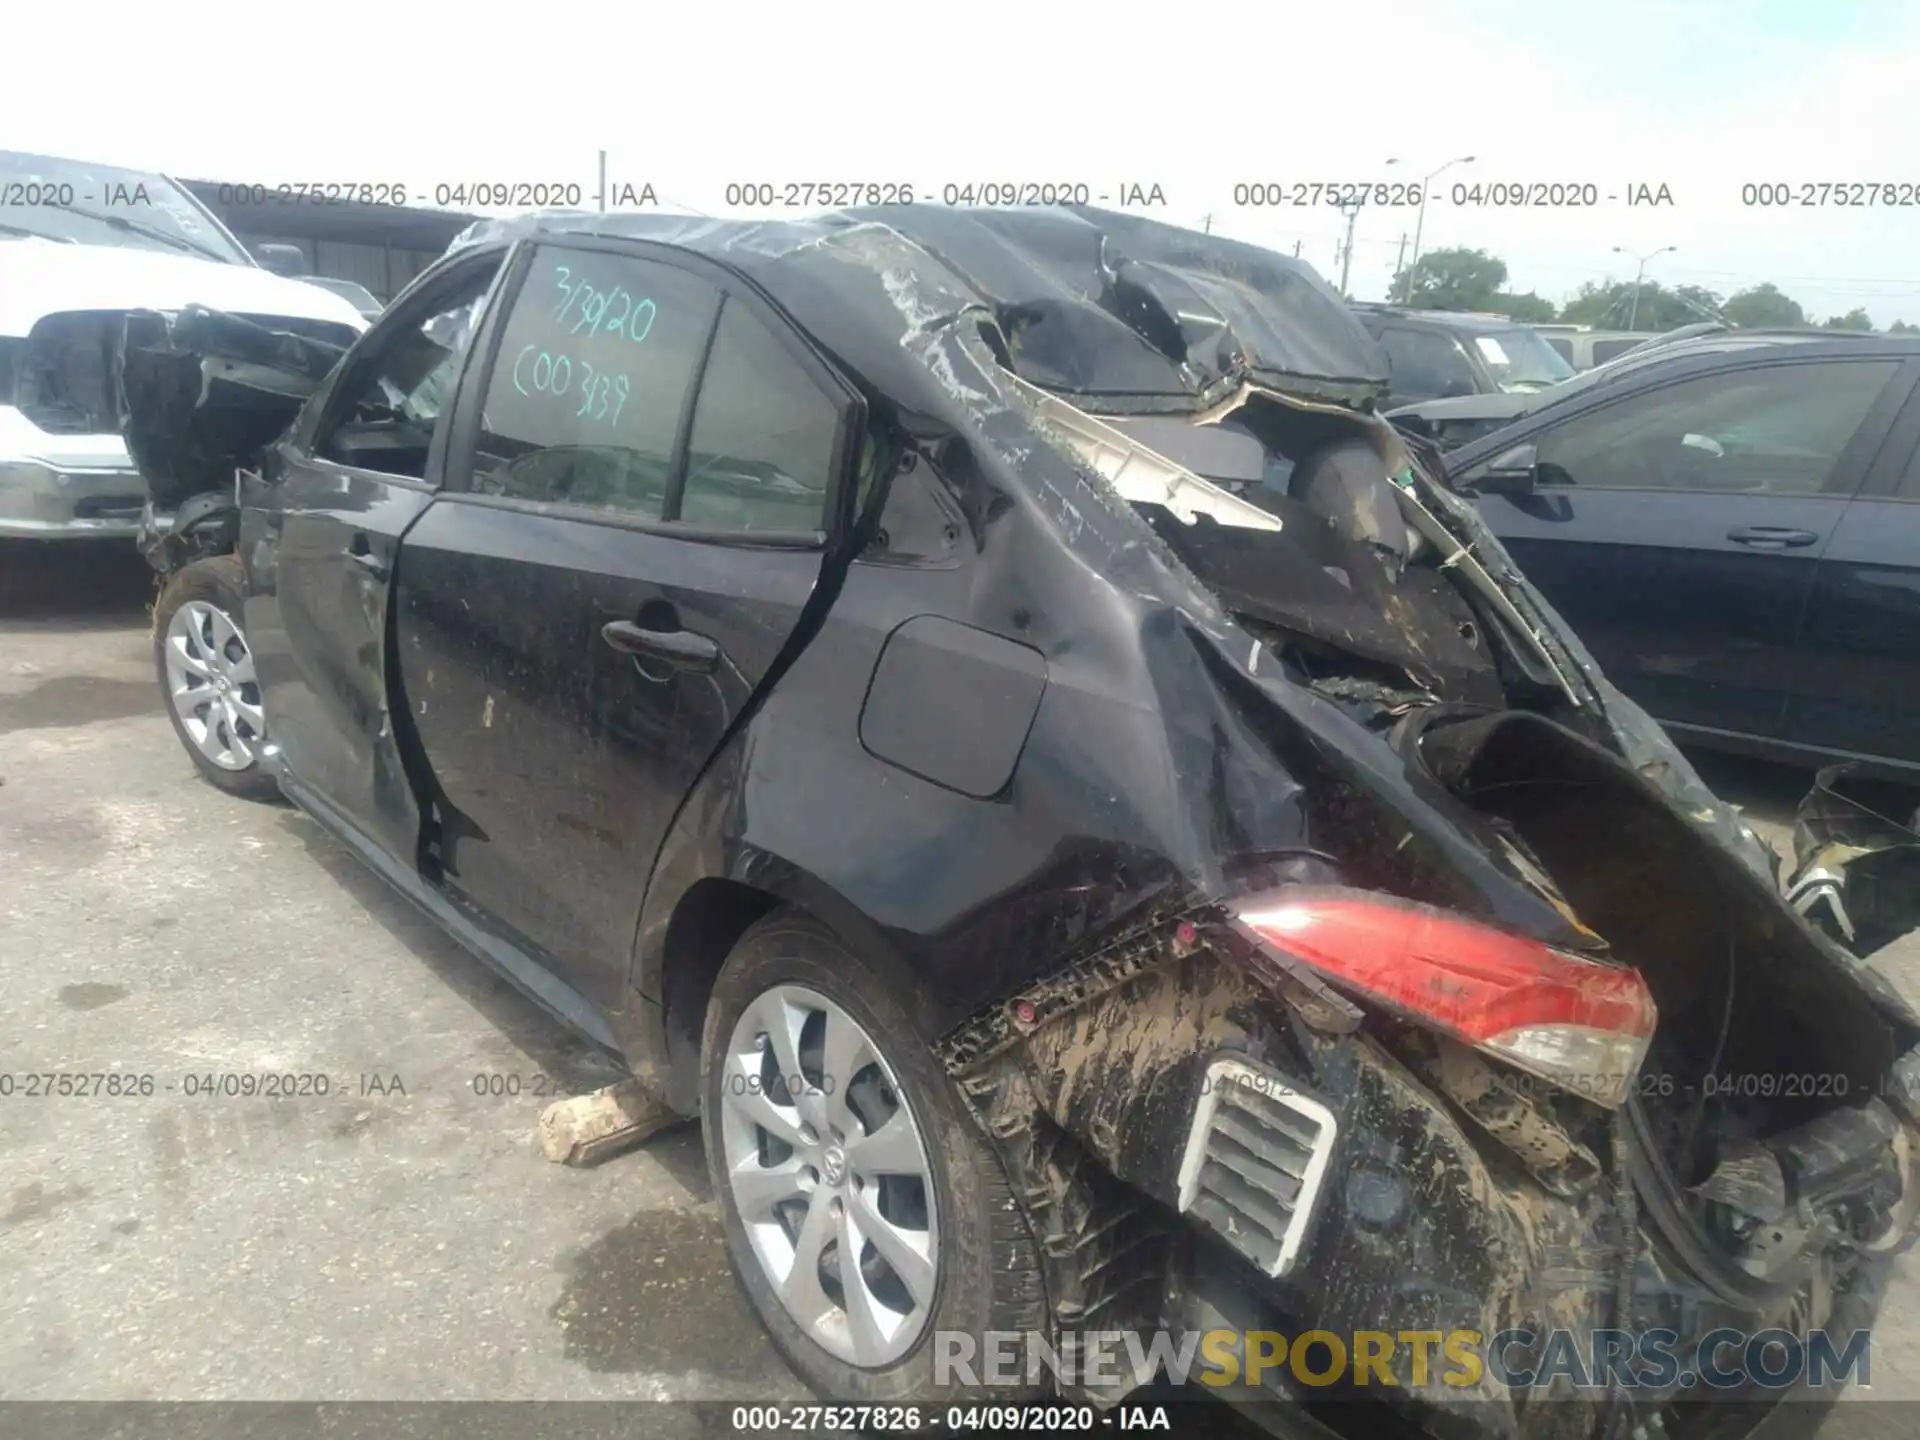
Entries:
{"x":590,"y":381}
{"x":391,"y":400}
{"x":1422,"y":365}
{"x":764,"y":435}
{"x":1773,"y":431}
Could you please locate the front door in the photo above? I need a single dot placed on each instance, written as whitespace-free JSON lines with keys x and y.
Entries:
{"x":636,"y":526}
{"x":1677,"y":529}
{"x":319,"y":531}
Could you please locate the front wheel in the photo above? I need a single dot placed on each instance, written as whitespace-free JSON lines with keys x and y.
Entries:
{"x":867,"y":1220}
{"x":207,"y":676}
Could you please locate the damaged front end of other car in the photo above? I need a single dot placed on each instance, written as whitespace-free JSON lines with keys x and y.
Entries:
{"x":200,"y":394}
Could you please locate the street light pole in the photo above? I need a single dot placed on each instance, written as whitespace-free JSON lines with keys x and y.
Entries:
{"x":1420,"y":220}
{"x":1633,"y":310}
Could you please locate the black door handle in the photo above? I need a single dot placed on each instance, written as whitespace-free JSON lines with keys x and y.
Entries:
{"x":1771,"y":537}
{"x":682,"y":649}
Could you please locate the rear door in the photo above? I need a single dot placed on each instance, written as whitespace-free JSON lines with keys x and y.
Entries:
{"x":1857,"y":691}
{"x":1677,"y":528}
{"x":635,"y":520}
{"x":319,"y":531}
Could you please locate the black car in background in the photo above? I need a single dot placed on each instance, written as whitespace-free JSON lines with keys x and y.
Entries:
{"x":1434,"y":353}
{"x":1733,"y":528}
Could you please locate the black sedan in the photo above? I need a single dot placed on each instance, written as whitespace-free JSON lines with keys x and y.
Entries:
{"x":1735,"y":533}
{"x":1076,"y":898}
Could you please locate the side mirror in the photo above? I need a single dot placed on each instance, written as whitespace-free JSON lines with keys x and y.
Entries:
{"x":1455,"y":389}
{"x":288,"y":260}
{"x":1512,"y":472}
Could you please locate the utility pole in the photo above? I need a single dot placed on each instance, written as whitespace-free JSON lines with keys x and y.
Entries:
{"x":603,"y":182}
{"x":1352,"y":212}
{"x":1206,"y":223}
{"x":1296,"y":249}
{"x":1633,"y":311}
{"x":1401,"y":280}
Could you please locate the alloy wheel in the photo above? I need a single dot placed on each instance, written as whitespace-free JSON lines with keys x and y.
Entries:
{"x":212,"y":686}
{"x":831,"y":1176}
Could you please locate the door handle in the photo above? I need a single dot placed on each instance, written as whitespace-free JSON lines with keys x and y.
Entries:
{"x":1771,"y":537}
{"x":682,"y":649}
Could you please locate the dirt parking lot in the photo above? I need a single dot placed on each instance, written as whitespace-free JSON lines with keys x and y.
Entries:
{"x":398,"y":1237}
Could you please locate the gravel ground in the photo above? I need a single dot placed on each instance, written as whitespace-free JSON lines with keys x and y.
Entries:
{"x":400,"y":1237}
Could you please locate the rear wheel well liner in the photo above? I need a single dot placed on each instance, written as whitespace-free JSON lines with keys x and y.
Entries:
{"x":708,"y":921}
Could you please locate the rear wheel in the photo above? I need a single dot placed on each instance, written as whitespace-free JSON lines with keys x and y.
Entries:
{"x":207,"y":676}
{"x":864,"y":1212}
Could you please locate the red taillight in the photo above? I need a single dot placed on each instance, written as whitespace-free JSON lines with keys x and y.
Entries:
{"x":1582,"y":1024}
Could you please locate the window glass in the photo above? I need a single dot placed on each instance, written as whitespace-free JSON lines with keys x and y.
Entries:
{"x":1520,"y":361}
{"x":385,"y":416}
{"x":590,"y":381}
{"x":1910,"y":482}
{"x":1422,"y":365}
{"x":1774,"y":431}
{"x":1605,"y":350}
{"x":761,"y":456}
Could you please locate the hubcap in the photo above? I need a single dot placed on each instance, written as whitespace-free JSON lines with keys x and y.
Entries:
{"x":212,"y":687}
{"x":830,"y":1174}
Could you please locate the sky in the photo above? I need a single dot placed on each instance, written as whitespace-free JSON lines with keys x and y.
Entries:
{"x":1702,"y":97}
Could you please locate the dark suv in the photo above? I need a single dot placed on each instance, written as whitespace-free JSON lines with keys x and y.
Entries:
{"x":1435,"y":353}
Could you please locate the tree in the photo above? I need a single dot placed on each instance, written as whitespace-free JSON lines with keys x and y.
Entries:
{"x":1901,"y":327}
{"x":1528,"y":308}
{"x":1615,"y":306}
{"x":1457,"y":279}
{"x":1763,"y":305}
{"x":1854,"y":319}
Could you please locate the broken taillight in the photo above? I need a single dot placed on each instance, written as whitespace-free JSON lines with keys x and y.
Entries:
{"x":1582,"y":1024}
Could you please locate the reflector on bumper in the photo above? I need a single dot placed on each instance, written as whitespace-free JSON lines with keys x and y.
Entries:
{"x":1254,"y":1162}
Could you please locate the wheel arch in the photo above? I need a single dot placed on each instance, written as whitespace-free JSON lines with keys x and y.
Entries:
{"x":684,"y":943}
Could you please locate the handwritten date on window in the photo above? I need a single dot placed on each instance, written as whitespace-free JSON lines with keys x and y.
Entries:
{"x":614,"y":316}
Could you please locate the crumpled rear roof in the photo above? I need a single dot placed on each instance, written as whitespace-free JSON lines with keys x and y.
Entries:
{"x":1115,"y":311}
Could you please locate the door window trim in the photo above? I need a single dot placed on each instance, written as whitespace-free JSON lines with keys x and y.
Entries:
{"x":1853,"y":459}
{"x":416,"y":305}
{"x":1898,"y":458}
{"x":729,"y":287}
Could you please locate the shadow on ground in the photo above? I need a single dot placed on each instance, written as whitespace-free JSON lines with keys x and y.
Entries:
{"x":74,"y":584}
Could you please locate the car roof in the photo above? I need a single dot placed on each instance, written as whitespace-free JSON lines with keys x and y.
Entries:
{"x":1445,"y":319}
{"x":1116,"y":310}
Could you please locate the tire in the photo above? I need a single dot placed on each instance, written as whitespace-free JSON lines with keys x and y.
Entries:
{"x":986,"y":1273}
{"x":200,"y":648}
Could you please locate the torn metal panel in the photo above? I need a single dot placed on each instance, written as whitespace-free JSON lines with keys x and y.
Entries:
{"x":201,"y":392}
{"x":1856,"y":845}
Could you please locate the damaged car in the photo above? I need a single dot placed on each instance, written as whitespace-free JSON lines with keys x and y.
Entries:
{"x":978,"y":707}
{"x":80,"y":244}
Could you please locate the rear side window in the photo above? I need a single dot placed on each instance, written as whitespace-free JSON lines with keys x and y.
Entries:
{"x":1605,"y":350}
{"x":1422,"y":365}
{"x":590,"y":381}
{"x":764,"y":435}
